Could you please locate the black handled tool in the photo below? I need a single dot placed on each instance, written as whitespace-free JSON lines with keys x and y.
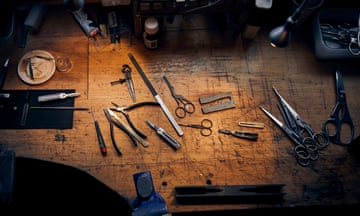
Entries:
{"x":99,"y":135}
{"x":3,"y":72}
{"x":240,"y":134}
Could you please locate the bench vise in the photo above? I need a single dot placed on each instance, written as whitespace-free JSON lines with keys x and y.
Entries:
{"x":148,"y":202}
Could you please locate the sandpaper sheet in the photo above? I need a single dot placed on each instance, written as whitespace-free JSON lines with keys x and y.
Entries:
{"x":13,"y":110}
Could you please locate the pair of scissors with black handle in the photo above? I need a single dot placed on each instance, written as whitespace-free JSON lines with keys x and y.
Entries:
{"x":184,"y":105}
{"x":339,"y":126}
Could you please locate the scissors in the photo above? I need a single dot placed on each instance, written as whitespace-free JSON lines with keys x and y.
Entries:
{"x":344,"y":35}
{"x":340,"y":120}
{"x":302,"y":154}
{"x":204,"y":126}
{"x":320,"y":139}
{"x":184,"y":105}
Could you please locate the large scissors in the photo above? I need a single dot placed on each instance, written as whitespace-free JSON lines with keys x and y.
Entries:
{"x":320,"y":139}
{"x":204,"y":126}
{"x":302,"y":154}
{"x":340,"y":120}
{"x":184,"y":105}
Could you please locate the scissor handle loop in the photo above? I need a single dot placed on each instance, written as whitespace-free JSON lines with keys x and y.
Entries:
{"x":125,"y":68}
{"x":205,"y":127}
{"x":180,"y":112}
{"x":189,"y":107}
{"x":310,"y":145}
{"x":302,"y":155}
{"x":354,"y":45}
{"x":339,"y":117}
{"x":321,"y":139}
{"x":184,"y":106}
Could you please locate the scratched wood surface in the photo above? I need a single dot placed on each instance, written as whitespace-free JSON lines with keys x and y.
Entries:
{"x":198,"y":62}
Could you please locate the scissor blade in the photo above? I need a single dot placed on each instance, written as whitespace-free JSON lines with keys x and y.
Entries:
{"x":340,"y":89}
{"x":283,"y":102}
{"x":277,"y":121}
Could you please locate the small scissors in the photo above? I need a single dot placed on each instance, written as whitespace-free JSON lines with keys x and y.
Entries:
{"x":186,"y":107}
{"x":340,"y":117}
{"x":204,"y":126}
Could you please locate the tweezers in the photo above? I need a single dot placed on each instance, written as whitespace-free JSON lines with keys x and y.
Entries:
{"x":227,"y":194}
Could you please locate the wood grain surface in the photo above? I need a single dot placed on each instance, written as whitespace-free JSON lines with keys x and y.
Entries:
{"x":198,"y":60}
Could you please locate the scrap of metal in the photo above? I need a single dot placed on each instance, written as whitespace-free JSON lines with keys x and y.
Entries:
{"x":218,"y":106}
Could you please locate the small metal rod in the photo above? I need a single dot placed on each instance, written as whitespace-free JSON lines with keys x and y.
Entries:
{"x":59,"y":108}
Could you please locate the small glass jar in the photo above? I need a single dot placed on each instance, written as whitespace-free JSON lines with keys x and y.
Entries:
{"x":150,"y":35}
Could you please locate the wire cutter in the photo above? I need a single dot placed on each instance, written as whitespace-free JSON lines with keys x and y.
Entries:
{"x":226,"y":194}
{"x":123,"y":110}
{"x":111,"y":122}
{"x":114,"y":119}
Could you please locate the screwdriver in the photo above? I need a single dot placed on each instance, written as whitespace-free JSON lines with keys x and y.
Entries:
{"x":99,"y":135}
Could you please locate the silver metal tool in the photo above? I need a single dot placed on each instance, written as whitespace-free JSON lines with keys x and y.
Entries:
{"x":129,"y":130}
{"x":127,"y":71}
{"x":184,"y":105}
{"x":165,"y":136}
{"x":59,"y":108}
{"x":218,"y":106}
{"x":56,"y":96}
{"x":204,"y":126}
{"x":4,"y":95}
{"x":30,"y":68}
{"x":156,"y":96}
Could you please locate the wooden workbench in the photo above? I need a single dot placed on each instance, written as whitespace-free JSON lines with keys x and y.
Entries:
{"x":198,"y":63}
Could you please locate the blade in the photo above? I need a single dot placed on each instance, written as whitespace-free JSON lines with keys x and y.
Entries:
{"x":340,"y":89}
{"x":277,"y":121}
{"x":284,"y":103}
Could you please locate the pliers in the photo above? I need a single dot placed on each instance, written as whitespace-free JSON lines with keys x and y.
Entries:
{"x":123,"y":110}
{"x":114,"y":119}
{"x":117,"y":149}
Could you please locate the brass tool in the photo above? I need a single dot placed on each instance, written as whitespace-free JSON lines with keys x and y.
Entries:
{"x":252,"y":124}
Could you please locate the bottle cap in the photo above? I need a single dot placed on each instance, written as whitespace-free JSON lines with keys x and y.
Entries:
{"x":151,"y":25}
